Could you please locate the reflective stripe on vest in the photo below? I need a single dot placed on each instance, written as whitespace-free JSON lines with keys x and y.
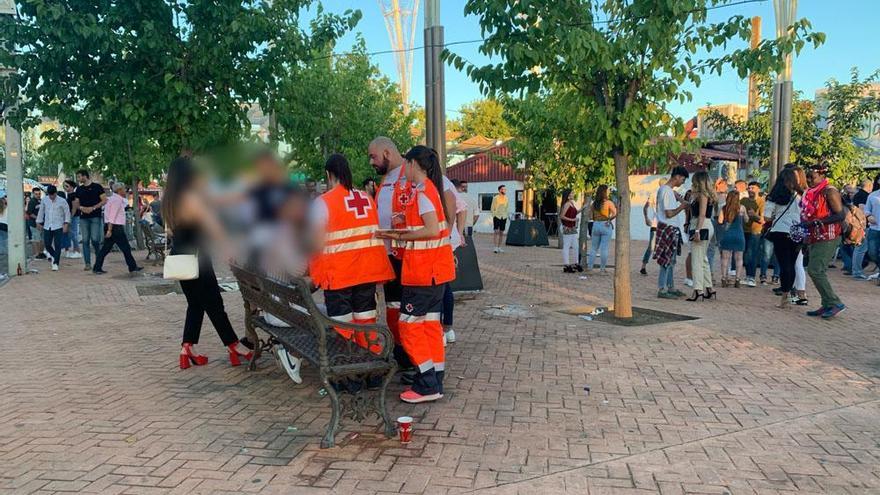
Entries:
{"x":346,"y":233}
{"x":432,"y":244}
{"x":352,"y":245}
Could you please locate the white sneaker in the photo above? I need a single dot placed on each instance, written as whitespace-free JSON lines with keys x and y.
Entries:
{"x":54,"y":267}
{"x":449,"y":336}
{"x":688,"y":282}
{"x":500,"y":250}
{"x":49,"y":257}
{"x":292,"y":365}
{"x":874,"y":276}
{"x":497,"y":250}
{"x":75,"y":255}
{"x":751,"y":282}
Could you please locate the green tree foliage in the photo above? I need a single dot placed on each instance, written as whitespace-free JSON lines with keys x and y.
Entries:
{"x":847,"y":106}
{"x":484,"y":118}
{"x":136,"y":82}
{"x":338,"y":104}
{"x":622,"y":62}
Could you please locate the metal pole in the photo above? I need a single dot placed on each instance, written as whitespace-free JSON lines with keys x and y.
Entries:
{"x":774,"y":136}
{"x":435,"y":94}
{"x":15,"y":202}
{"x":785,"y":11}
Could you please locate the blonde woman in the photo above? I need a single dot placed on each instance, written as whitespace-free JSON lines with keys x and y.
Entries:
{"x":701,"y":234}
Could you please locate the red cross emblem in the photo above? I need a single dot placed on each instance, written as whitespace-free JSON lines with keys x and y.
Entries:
{"x":357,"y":203}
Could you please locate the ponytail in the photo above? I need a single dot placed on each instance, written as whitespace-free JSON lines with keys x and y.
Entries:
{"x":428,"y":160}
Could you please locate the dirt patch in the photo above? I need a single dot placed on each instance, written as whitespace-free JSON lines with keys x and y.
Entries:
{"x":642,"y":317}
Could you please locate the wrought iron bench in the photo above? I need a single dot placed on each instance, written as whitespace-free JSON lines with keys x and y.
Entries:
{"x":311,"y":335}
{"x":155,"y":243}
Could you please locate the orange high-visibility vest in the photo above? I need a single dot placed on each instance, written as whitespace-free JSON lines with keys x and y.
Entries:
{"x":427,"y":261}
{"x":351,"y":254}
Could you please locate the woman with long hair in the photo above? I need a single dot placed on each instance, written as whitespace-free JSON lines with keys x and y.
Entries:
{"x":570,"y":248}
{"x":349,"y":261}
{"x":427,"y":267}
{"x":782,"y":211}
{"x":191,"y":223}
{"x":604,"y":213}
{"x":733,"y":241}
{"x":701,"y":233}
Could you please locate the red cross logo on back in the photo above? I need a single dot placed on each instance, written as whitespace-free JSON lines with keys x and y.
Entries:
{"x":357,"y":203}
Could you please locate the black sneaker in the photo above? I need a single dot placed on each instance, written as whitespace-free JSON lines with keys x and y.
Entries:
{"x":643,"y":271}
{"x":40,"y":256}
{"x":137,"y":269}
{"x":99,"y":272}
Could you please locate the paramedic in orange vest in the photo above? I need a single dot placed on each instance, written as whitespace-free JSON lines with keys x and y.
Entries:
{"x":427,"y":266}
{"x":350,"y":260}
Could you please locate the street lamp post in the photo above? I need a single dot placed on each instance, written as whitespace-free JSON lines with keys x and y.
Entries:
{"x":435,"y":95}
{"x":14,"y":189}
{"x":782,"y":92}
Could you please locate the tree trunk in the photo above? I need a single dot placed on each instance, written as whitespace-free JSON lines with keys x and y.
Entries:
{"x":622,"y":285}
{"x":584,"y":232}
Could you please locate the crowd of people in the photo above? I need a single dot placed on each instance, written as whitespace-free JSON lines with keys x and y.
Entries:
{"x":799,"y":228}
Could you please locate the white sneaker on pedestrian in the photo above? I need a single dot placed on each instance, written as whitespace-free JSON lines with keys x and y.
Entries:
{"x":688,"y":282}
{"x":500,"y":250}
{"x":497,"y":250}
{"x":75,"y":255}
{"x":54,"y":267}
{"x":292,"y":365}
{"x":751,"y":282}
{"x":874,"y":276}
{"x":450,"y":336}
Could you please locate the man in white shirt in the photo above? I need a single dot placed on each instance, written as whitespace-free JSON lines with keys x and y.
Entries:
{"x":53,"y":219}
{"x":670,"y":235}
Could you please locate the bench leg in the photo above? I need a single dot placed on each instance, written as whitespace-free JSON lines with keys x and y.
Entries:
{"x":390,"y":426}
{"x":329,"y":440}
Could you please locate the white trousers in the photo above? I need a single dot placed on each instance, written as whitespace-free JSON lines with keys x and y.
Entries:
{"x":800,"y":274}
{"x":570,"y":249}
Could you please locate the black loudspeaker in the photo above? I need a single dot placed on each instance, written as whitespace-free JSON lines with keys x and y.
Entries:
{"x":527,"y":233}
{"x":467,"y":268}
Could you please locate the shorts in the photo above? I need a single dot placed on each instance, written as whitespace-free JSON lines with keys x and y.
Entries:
{"x":499,"y":224}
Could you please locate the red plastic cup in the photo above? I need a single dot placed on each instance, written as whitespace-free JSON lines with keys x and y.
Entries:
{"x":404,"y":428}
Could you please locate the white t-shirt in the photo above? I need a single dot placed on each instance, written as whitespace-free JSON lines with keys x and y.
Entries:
{"x":318,"y":213}
{"x":783,"y":216}
{"x":666,"y":201}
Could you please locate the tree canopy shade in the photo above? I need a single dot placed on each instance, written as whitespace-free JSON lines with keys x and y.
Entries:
{"x":137,"y":81}
{"x":622,"y":62}
{"x":821,"y":130}
{"x":338,"y":104}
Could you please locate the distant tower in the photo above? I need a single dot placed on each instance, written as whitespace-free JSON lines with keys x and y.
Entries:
{"x":400,"y":20}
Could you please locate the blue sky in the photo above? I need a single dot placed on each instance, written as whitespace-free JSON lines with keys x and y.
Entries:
{"x":850,"y":25}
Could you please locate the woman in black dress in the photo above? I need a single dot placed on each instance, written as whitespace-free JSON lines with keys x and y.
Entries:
{"x":190,"y":221}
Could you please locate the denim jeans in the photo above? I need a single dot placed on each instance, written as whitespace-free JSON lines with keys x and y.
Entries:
{"x":846,"y":254}
{"x":92,"y":237}
{"x":666,"y":277}
{"x":873,"y":243}
{"x":73,"y":234}
{"x":858,"y":258}
{"x":768,"y":259}
{"x":754,"y":253}
{"x":601,"y":240}
{"x":650,"y":249}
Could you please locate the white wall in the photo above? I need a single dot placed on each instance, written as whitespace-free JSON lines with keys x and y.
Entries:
{"x":484,"y":223}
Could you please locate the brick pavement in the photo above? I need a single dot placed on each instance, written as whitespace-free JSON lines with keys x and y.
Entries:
{"x":745,"y":399}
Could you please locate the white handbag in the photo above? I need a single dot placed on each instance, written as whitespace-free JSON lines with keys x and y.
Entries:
{"x":180,"y":266}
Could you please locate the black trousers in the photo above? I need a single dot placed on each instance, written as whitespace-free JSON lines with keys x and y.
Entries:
{"x":52,"y":240}
{"x":786,"y":252}
{"x":203,"y":296}
{"x":117,"y":237}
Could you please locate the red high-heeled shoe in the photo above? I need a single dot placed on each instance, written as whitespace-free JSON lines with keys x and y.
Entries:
{"x":189,"y":358}
{"x":234,"y":355}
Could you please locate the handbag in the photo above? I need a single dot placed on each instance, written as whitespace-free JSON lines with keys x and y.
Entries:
{"x":765,"y":229}
{"x":180,"y":266}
